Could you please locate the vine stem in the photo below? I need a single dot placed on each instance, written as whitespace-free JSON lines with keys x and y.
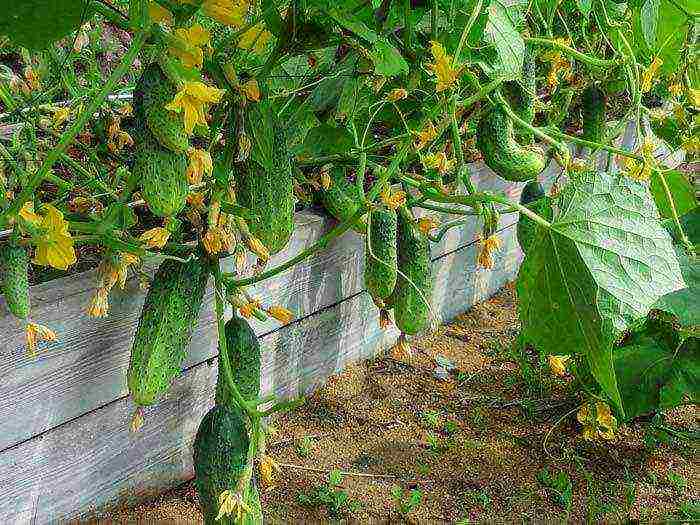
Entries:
{"x":318,"y":245}
{"x":684,"y":238}
{"x":582,"y":57}
{"x":70,"y":134}
{"x":597,"y":145}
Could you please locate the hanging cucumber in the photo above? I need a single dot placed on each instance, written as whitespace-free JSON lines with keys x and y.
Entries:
{"x":381,"y":264}
{"x":342,"y":199}
{"x":264,"y":182}
{"x":243,"y":350}
{"x":593,"y":105}
{"x":527,"y":228}
{"x":522,"y":95}
{"x":414,"y":288}
{"x":169,"y":315}
{"x":502,"y":153}
{"x":14,"y":279}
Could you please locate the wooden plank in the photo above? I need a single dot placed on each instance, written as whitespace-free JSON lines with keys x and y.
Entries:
{"x":78,"y":467}
{"x":86,"y":368}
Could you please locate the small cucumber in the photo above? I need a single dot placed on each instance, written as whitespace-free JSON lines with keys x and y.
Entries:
{"x":380,"y":269}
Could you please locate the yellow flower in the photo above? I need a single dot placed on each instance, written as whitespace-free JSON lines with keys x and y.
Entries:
{"x":438,"y":161}
{"x":598,"y":423}
{"x":60,"y":116}
{"x":255,"y":39}
{"x":196,"y":200}
{"x":397,"y":94}
{"x":486,"y":250}
{"x":36,"y":332}
{"x":384,"y":319}
{"x":136,"y":420}
{"x":117,"y":143}
{"x":216,"y":240}
{"x":247,"y":309}
{"x":54,"y":245}
{"x":232,"y":504}
{"x":155,"y":237}
{"x":227,"y":12}
{"x":634,"y":169}
{"x":99,"y":306}
{"x":675,"y":89}
{"x":443,"y":68}
{"x":393,"y":200}
{"x":694,"y":97}
{"x":256,"y":246}
{"x":268,"y":469}
{"x":31,"y":78}
{"x":427,"y":224}
{"x":557,"y":364}
{"x":425,"y":136}
{"x":27,"y":213}
{"x":191,"y":101}
{"x":326,"y":180}
{"x":401,"y":349}
{"x":280,"y":313}
{"x":251,"y":90}
{"x":159,"y":14}
{"x":200,"y":165}
{"x":189,"y":44}
{"x":692,"y":145}
{"x":649,"y":74}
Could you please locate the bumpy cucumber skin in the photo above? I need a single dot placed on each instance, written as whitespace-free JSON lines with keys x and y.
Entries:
{"x":264,"y":183}
{"x":342,"y":199}
{"x":593,"y":105}
{"x":14,"y":278}
{"x":380,"y":270}
{"x":502,"y":153}
{"x":527,"y":228}
{"x":169,"y":315}
{"x":411,"y":313}
{"x":243,"y":350}
{"x":220,"y":455}
{"x":152,"y":93}
{"x":162,"y":176}
{"x":522,"y":96}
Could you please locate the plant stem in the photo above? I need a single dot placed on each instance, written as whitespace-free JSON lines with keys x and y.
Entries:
{"x":444,"y":209}
{"x":582,"y":57}
{"x":318,"y":245}
{"x":70,"y":134}
{"x":591,"y":144}
{"x":684,"y":238}
{"x":51,"y":177}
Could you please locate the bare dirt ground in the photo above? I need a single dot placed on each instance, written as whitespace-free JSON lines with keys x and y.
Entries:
{"x":471,"y":445}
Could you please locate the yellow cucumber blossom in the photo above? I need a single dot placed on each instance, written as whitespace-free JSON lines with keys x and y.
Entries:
{"x":189,"y":44}
{"x":649,"y":74}
{"x":694,"y":97}
{"x":397,"y":94}
{"x":200,"y":165}
{"x":159,"y":14}
{"x":691,"y":145}
{"x":425,"y":136}
{"x":36,"y":332}
{"x":427,"y":224}
{"x":255,"y":39}
{"x":557,"y":364}
{"x":192,"y":100}
{"x":401,"y":349}
{"x":196,"y":201}
{"x":268,"y":469}
{"x":443,"y":67}
{"x":54,"y":244}
{"x":256,"y":246}
{"x":393,"y":199}
{"x":232,"y":504}
{"x":227,"y":12}
{"x":249,"y":308}
{"x":486,"y":250}
{"x":216,"y":240}
{"x":155,"y":237}
{"x":597,"y":421}
{"x":60,"y":116}
{"x":280,"y":313}
{"x":675,"y":89}
{"x":99,"y":305}
{"x":439,"y":162}
{"x":558,"y":64}
{"x":251,"y":90}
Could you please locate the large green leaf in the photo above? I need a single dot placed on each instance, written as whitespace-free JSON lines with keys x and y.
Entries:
{"x":600,"y":266}
{"x":388,"y":62}
{"x":671,"y":31}
{"x":510,"y":47}
{"x":682,"y":192}
{"x":326,"y":140}
{"x":36,"y":24}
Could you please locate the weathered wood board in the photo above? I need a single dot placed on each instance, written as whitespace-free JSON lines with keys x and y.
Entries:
{"x":81,"y":466}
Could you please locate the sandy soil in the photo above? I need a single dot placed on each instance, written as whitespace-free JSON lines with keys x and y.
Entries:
{"x":473,"y":443}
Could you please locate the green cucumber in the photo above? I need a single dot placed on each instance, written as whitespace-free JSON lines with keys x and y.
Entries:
{"x":527,"y":228}
{"x":414,"y":285}
{"x":522,"y":95}
{"x":593,"y":105}
{"x":502,"y":153}
{"x":169,"y":315}
{"x":264,"y":182}
{"x":243,"y":350}
{"x":342,"y":199}
{"x":380,"y":270}
{"x":14,"y":279}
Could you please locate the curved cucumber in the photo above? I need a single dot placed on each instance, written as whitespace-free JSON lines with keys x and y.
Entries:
{"x":342,"y":199}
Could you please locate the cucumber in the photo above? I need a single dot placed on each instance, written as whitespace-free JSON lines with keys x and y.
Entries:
{"x":527,"y":228}
{"x":162,"y":177}
{"x":522,"y":96}
{"x":152,"y":93}
{"x":593,"y":105}
{"x":380,"y":270}
{"x":14,"y":279}
{"x":411,"y":312}
{"x":342,"y":199}
{"x":169,"y":315}
{"x":264,"y":183}
{"x":243,"y":351}
{"x":220,"y":459}
{"x":502,"y":153}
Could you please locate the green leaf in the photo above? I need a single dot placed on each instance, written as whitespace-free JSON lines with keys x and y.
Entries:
{"x":273,"y":20}
{"x":599,"y":267}
{"x":671,"y":31}
{"x":682,"y":192}
{"x":684,"y":304}
{"x":584,"y":7}
{"x":327,"y":140}
{"x":388,"y":62}
{"x":509,"y":44}
{"x":352,"y":24}
{"x":36,"y":24}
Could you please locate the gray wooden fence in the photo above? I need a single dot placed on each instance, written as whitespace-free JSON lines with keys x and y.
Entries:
{"x":65,"y":447}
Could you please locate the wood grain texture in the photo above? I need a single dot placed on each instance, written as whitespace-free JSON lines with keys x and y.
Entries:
{"x":83,"y":465}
